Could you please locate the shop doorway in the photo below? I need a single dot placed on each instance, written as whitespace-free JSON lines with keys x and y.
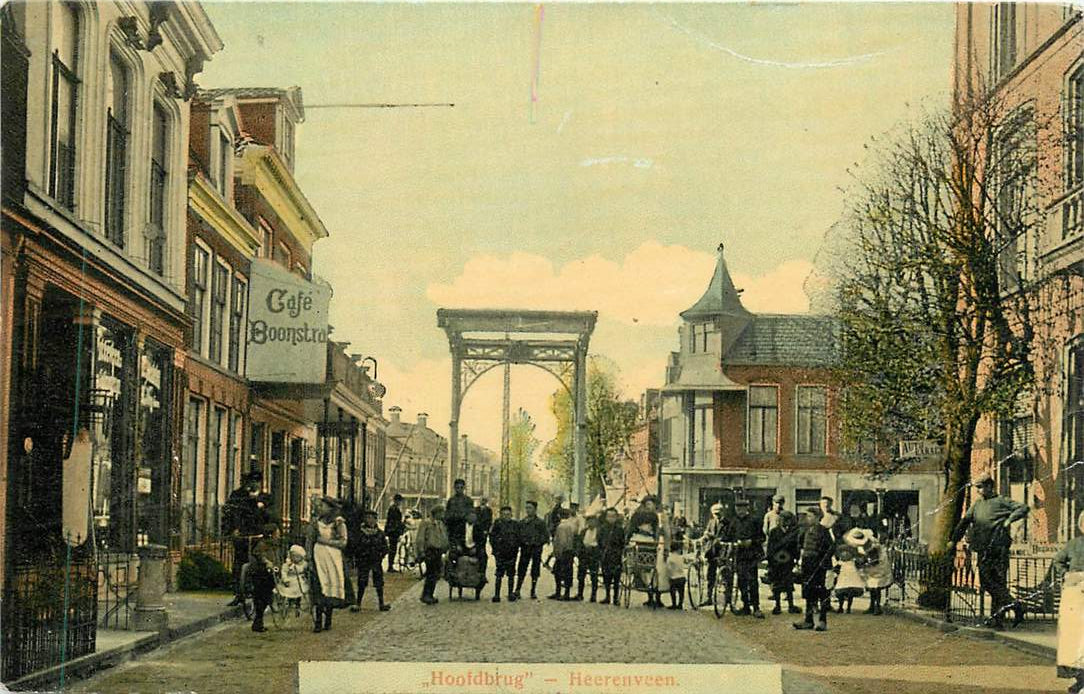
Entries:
{"x":900,"y":510}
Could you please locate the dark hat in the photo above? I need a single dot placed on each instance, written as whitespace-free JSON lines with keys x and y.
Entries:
{"x":254,"y":476}
{"x":741,"y":502}
{"x":331,"y":501}
{"x":984,"y":478}
{"x":397,"y":497}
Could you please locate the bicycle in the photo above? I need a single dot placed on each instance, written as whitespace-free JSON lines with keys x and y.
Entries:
{"x":694,"y":574}
{"x":246,"y":590}
{"x":405,"y":559}
{"x":723,"y":596}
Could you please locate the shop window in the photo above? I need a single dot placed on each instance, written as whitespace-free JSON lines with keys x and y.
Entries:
{"x":153,"y":481}
{"x":804,"y":499}
{"x":191,"y":468}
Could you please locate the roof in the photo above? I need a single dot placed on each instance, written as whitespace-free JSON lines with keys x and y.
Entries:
{"x":289,"y":95}
{"x":793,"y":340}
{"x":721,"y":298}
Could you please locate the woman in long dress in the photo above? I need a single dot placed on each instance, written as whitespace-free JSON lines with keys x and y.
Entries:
{"x":324,"y":547}
{"x":1070,"y":561}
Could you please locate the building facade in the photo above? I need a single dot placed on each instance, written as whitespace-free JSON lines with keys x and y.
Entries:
{"x":1030,"y":56}
{"x":221,"y":244}
{"x":98,"y":239}
{"x":416,"y":464}
{"x":748,"y":410}
{"x":639,"y":464}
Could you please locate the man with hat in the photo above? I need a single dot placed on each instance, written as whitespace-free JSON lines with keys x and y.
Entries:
{"x":455,"y":512}
{"x":715,"y":531}
{"x":745,"y":530}
{"x":989,"y":520}
{"x":394,"y":527}
{"x":245,"y":516}
{"x":774,"y":517}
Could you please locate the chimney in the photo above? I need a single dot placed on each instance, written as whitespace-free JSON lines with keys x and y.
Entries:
{"x":422,"y":418}
{"x":395,"y":411}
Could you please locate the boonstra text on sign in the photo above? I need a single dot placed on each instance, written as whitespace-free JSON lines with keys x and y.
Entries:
{"x":287,"y":326}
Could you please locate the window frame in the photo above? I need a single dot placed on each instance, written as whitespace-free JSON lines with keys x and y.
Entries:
{"x":238,"y":309}
{"x":219,"y":305}
{"x":1074,"y":127}
{"x":749,"y":420}
{"x":158,"y":193}
{"x":61,"y":174}
{"x":798,"y":408}
{"x":200,"y":287}
{"x":117,"y":150}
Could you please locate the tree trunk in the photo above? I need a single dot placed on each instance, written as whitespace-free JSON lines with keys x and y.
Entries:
{"x":937,"y":578}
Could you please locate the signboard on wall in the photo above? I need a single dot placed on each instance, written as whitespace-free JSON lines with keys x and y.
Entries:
{"x":287,"y":326}
{"x":920,"y":449}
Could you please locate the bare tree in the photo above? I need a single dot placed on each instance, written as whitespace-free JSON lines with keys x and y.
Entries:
{"x":931,"y":273}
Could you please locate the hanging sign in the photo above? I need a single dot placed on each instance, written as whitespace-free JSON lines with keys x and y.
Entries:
{"x":287,"y":326}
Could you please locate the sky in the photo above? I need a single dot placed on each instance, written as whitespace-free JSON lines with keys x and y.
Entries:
{"x":595,"y":157}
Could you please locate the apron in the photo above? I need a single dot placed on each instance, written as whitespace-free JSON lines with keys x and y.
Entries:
{"x":329,"y":565}
{"x":849,"y":579}
{"x":1071,"y":622}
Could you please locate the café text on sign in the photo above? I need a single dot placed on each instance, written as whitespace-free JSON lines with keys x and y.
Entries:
{"x":287,"y":326}
{"x":920,"y":449}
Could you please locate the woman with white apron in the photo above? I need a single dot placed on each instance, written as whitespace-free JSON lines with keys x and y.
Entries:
{"x":324,"y":546}
{"x":1070,"y":561}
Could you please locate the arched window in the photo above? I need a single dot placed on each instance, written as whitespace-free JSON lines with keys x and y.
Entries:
{"x":159,"y":190}
{"x":65,"y":96}
{"x":118,"y":112}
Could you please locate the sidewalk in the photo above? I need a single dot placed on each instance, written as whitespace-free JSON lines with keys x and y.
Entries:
{"x":1037,"y":638}
{"x":188,"y":613}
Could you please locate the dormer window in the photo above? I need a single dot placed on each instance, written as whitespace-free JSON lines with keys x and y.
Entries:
{"x":698,"y":337}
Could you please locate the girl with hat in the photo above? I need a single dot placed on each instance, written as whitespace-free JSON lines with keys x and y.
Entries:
{"x":1070,"y":561}
{"x":324,"y":546}
{"x":849,"y":584}
{"x":873,"y":566}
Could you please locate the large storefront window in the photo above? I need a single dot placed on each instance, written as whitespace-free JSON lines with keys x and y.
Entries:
{"x":110,"y":400}
{"x":193,"y":417}
{"x":216,"y":450}
{"x":152,"y":487}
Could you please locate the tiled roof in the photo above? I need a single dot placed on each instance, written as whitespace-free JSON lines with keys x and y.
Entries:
{"x":720,"y":299}
{"x":792,"y":340}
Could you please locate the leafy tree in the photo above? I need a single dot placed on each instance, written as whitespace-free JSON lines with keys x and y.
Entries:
{"x":610,"y":422}
{"x":522,"y":445}
{"x":930,"y":279}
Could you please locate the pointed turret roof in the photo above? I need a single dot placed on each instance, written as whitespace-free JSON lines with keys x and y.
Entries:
{"x":721,"y":298}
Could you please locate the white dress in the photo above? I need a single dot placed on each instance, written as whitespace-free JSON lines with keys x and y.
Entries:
{"x":1071,"y":621}
{"x":329,"y":562}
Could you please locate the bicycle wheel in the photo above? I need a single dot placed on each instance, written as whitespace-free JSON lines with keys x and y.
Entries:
{"x":695,"y":585}
{"x":720,"y":597}
{"x":626,"y":584}
{"x":247,"y":593}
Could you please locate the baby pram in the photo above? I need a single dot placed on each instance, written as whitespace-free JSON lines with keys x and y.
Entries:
{"x":464,"y":571}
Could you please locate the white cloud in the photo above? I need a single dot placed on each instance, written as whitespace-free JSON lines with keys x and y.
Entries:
{"x":781,"y":290}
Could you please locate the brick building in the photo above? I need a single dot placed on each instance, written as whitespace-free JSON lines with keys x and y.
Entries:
{"x":748,"y":409}
{"x":1030,"y":55}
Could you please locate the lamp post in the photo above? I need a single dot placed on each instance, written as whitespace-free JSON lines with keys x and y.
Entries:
{"x":375,"y":365}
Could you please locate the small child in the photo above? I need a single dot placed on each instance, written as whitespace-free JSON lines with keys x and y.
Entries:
{"x":293,"y":577}
{"x":261,"y":568}
{"x":849,"y":584}
{"x":675,"y":567}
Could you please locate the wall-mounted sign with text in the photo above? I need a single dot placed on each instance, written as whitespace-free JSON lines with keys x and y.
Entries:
{"x":287,"y":326}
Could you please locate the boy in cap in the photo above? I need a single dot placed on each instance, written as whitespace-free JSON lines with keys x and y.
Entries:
{"x":587,"y":553}
{"x":564,"y":548}
{"x":504,"y":539}
{"x":745,"y":530}
{"x":533,"y":536}
{"x":370,"y":548}
{"x":818,"y":548}
{"x":611,"y":544}
{"x":394,"y":527}
{"x":715,"y":531}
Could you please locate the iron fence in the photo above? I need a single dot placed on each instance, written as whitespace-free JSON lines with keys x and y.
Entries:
{"x":35,"y":633}
{"x":118,"y":587}
{"x":950,"y":584}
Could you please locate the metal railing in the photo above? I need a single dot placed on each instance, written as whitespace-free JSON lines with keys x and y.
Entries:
{"x":33,"y":623}
{"x":951,"y":586}
{"x":118,"y":585}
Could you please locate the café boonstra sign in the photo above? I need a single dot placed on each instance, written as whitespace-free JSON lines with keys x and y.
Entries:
{"x":287,"y":326}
